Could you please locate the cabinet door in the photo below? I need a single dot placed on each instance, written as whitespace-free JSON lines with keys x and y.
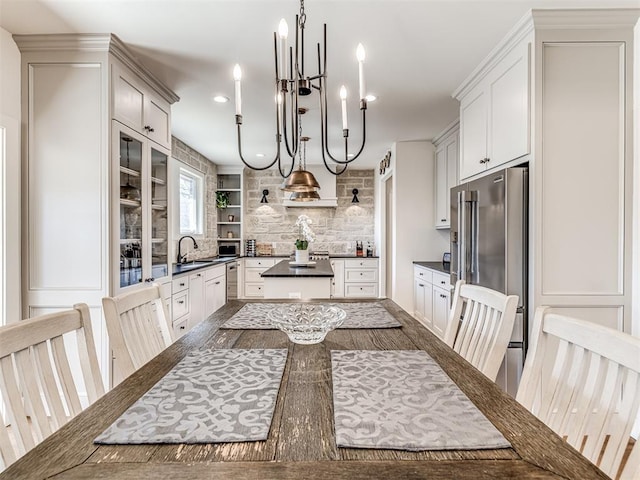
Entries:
{"x":196,"y":300}
{"x":440,"y":311}
{"x":209,"y":297}
{"x":156,"y":122}
{"x":128,"y":101}
{"x":442,"y":190}
{"x":418,"y":299}
{"x":473,"y":133}
{"x":509,"y":109}
{"x":428,"y":305}
{"x":337,"y":284}
{"x":159,"y":212}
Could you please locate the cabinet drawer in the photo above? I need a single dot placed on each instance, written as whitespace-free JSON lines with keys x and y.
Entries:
{"x":361,"y":263}
{"x":253,"y":290}
{"x":214,"y":272}
{"x":179,"y":284}
{"x":259,"y":262}
{"x":180,"y":327}
{"x":422,"y":274}
{"x":180,"y":304}
{"x":253,"y":274}
{"x":441,"y":280}
{"x":360,"y":275}
{"x":360,"y":290}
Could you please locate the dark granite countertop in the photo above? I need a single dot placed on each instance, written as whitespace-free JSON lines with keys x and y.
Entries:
{"x":437,"y":266}
{"x":180,"y":268}
{"x":331,"y":255}
{"x":322,"y":268}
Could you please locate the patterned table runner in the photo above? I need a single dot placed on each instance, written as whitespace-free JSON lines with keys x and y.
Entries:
{"x":210,"y":396}
{"x":359,"y":315}
{"x":402,"y":399}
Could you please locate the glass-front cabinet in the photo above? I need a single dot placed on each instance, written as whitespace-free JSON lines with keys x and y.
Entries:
{"x":140,"y":200}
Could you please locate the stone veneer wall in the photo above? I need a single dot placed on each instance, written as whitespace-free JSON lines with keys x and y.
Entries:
{"x":336,"y":229}
{"x":207,"y":246}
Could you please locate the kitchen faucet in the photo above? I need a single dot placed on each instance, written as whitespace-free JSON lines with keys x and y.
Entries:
{"x":183,"y":258}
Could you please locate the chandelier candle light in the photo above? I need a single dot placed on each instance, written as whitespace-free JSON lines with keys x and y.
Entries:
{"x":291,"y":82}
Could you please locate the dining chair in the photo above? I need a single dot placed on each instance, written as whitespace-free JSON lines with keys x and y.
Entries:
{"x":39,"y":391}
{"x":138,"y":326}
{"x":480,"y":326}
{"x":583,"y":380}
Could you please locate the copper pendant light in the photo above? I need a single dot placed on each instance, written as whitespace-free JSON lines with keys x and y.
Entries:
{"x":302,"y":180}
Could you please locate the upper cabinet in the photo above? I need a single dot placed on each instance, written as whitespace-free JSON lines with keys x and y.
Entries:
{"x":495,"y":112}
{"x":446,"y":175}
{"x":137,"y":106}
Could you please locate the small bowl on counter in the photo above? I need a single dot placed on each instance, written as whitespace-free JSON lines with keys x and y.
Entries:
{"x":306,"y":323}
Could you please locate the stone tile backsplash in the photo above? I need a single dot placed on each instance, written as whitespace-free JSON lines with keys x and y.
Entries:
{"x":336,"y":229}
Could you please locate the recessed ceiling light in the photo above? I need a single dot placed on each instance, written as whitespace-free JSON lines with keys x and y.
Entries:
{"x":260,"y":155}
{"x":351,"y":155}
{"x":220,"y":99}
{"x":371,"y":98}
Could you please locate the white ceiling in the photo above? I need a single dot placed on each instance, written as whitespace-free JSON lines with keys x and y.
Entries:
{"x":418,"y":52}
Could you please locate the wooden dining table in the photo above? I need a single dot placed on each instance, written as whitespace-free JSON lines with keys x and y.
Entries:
{"x":301,"y":442}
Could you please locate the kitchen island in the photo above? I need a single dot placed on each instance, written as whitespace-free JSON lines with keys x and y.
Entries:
{"x":285,"y":280}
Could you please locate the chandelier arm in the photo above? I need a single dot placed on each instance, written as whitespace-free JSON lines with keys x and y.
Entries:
{"x":276,"y":159}
{"x":284,"y":129}
{"x":282,"y":174}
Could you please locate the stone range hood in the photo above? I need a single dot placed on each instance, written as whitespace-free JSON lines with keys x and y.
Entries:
{"x":327,"y":190}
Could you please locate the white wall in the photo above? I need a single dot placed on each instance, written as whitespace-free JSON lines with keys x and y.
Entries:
{"x":416,"y":238}
{"x":10,"y":253}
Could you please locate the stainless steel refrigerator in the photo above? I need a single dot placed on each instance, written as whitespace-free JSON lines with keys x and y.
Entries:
{"x":489,"y":224}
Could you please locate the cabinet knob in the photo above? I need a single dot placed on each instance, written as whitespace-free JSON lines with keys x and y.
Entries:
{"x":420,"y":273}
{"x":360,"y":273}
{"x":149,"y":280}
{"x":148,"y":128}
{"x":182,"y":284}
{"x":217,"y":283}
{"x":443,"y":219}
{"x":180,"y":302}
{"x":442,"y":282}
{"x":182,"y":327}
{"x":443,"y":296}
{"x":421,"y":284}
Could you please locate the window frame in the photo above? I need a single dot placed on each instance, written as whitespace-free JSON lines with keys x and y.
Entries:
{"x":200,"y":180}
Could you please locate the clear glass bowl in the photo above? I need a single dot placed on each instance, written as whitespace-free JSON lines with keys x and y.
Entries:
{"x":306,"y":323}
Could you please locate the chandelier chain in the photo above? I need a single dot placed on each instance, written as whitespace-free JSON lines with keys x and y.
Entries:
{"x":303,"y":16}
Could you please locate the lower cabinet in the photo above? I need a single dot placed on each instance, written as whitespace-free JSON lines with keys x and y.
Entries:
{"x":253,"y":282}
{"x":195,"y":296}
{"x":431,"y":299}
{"x":360,"y":277}
{"x":337,"y":284}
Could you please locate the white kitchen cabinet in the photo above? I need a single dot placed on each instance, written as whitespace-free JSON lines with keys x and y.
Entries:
{"x":196,"y":296}
{"x":574,"y":72}
{"x":71,"y":166}
{"x":431,"y":299}
{"x":361,"y":277}
{"x":446,"y":176}
{"x":495,"y":113}
{"x":136,"y":105}
{"x":253,"y":282}
{"x":140,"y":208}
{"x":215,"y":289}
{"x":196,"y":299}
{"x":337,"y":283}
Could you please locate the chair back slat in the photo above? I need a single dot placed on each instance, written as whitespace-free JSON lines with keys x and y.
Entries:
{"x":39,"y":393}
{"x":139,"y":327}
{"x":480,"y":326}
{"x":592,"y":395}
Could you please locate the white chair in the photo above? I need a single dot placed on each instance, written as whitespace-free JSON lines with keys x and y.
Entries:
{"x":480,"y":326}
{"x":583,"y":381}
{"x":138,"y":326}
{"x":39,"y":393}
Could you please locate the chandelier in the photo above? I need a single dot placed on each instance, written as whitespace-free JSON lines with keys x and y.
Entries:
{"x":292,"y":82}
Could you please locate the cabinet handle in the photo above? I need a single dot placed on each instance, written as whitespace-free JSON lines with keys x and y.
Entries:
{"x":420,"y":274}
{"x":217,"y":283}
{"x":182,"y":327}
{"x":485,"y":160}
{"x":443,"y":296}
{"x":442,"y":282}
{"x":421,"y":284}
{"x":148,"y":128}
{"x":149,"y":280}
{"x":443,"y":219}
{"x":180,"y":302}
{"x":182,"y":284}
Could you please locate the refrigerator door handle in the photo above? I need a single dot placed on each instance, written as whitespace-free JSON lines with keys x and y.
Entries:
{"x":473,"y":240}
{"x":462,"y":237}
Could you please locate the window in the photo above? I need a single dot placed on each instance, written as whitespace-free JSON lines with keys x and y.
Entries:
{"x":191,"y":198}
